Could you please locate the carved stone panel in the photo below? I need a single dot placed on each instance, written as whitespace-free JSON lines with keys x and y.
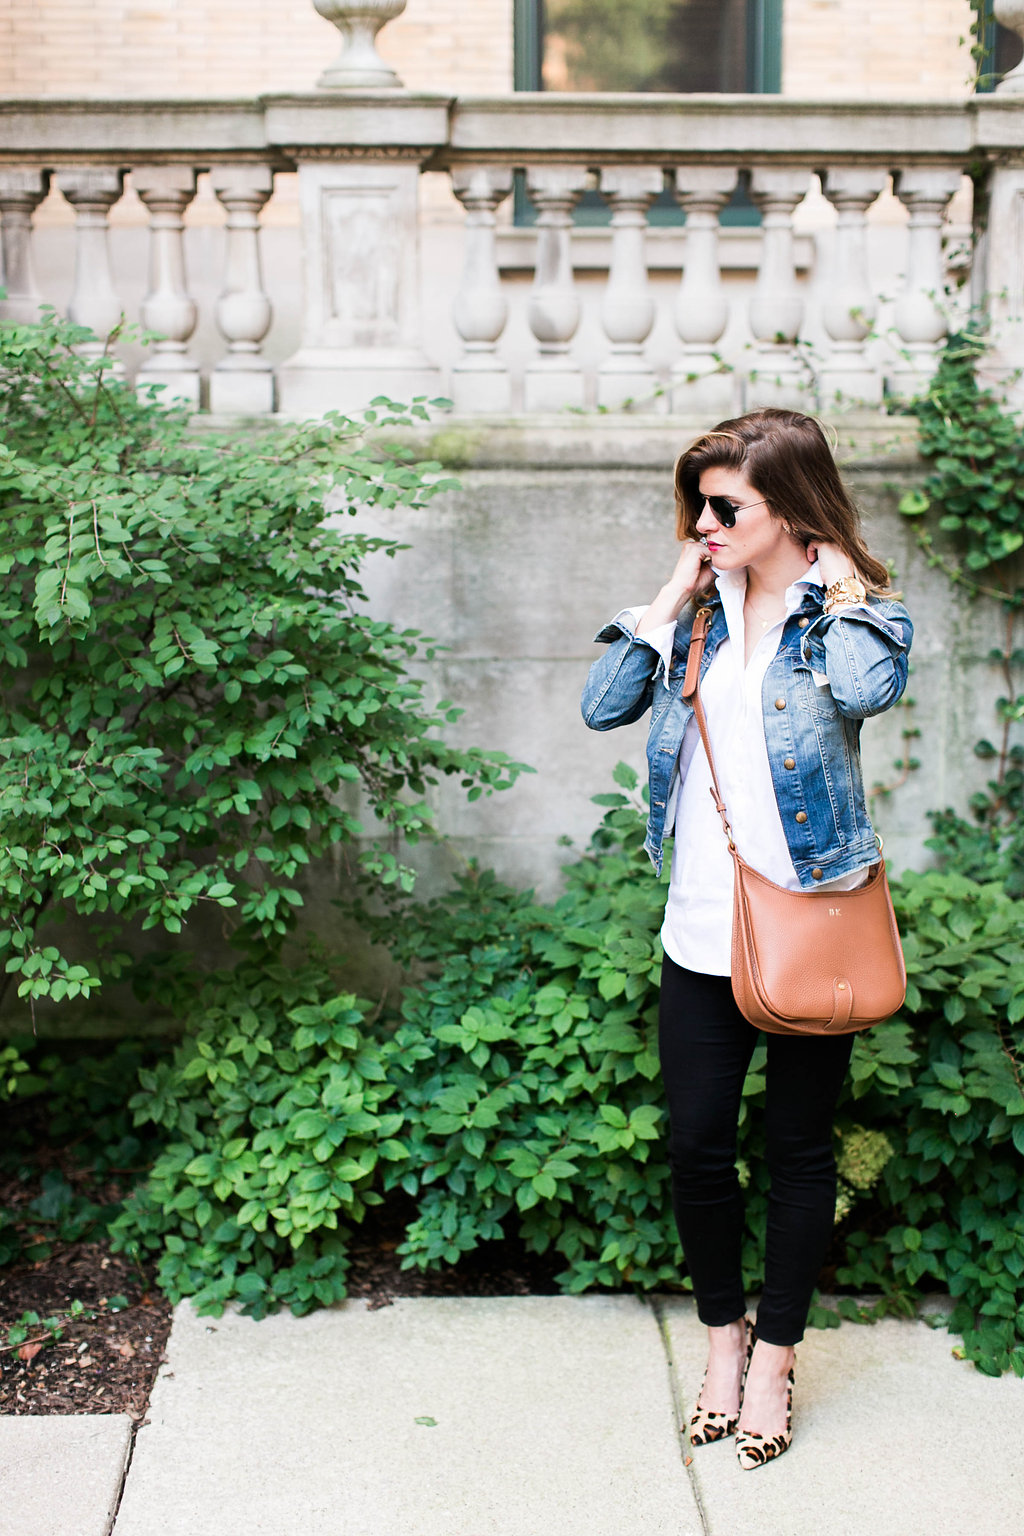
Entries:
{"x":360,"y":238}
{"x":363,"y":258}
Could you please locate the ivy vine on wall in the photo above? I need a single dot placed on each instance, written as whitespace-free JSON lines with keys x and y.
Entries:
{"x":969,"y":520}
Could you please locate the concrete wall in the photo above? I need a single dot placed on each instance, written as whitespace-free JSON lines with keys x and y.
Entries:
{"x":555,"y":529}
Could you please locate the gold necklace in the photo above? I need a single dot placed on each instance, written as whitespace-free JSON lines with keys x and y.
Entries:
{"x":764,"y":623}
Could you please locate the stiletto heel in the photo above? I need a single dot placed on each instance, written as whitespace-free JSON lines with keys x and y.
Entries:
{"x":753,"y":1450}
{"x":707,"y":1426}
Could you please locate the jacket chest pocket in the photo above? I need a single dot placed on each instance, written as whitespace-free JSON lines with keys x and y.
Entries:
{"x":822,"y":702}
{"x":817,"y":694}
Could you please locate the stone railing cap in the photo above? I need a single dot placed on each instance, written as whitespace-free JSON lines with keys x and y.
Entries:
{"x":531,"y":126}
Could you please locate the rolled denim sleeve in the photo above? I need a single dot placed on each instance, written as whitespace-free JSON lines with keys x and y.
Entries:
{"x":620,"y":685}
{"x":864,"y":653}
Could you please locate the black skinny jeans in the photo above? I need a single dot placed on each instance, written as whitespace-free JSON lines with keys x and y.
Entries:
{"x":706,"y":1045}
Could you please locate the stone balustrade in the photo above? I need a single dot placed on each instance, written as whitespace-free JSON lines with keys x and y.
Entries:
{"x":860,"y":250}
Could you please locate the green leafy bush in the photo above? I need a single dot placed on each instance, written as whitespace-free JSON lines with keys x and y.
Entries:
{"x":518,"y":1094}
{"x":527,"y":1069}
{"x":275,"y":1111}
{"x":191,"y":691}
{"x":526,"y":1066}
{"x":952,"y":1195}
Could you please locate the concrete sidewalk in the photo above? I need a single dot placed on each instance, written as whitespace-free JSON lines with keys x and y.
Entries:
{"x":540,"y":1416}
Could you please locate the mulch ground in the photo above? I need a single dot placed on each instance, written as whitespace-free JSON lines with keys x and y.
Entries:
{"x":106,"y":1364}
{"x":109,"y":1364}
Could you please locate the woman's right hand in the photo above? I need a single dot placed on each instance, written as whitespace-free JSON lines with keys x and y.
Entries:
{"x":691,"y":578}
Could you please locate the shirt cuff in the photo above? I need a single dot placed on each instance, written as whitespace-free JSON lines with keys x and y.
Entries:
{"x":660,"y":639}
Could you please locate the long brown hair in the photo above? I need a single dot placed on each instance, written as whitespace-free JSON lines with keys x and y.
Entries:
{"x":786,"y":457}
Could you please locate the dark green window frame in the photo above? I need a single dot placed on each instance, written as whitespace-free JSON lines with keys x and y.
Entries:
{"x":764,"y":45}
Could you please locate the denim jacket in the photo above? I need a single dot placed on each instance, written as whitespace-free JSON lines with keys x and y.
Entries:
{"x":812,"y":729}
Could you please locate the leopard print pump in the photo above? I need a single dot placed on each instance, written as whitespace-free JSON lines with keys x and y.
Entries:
{"x":753,"y":1450}
{"x":707,"y":1426}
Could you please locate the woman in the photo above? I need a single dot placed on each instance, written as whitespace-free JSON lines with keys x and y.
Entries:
{"x":802,"y":646}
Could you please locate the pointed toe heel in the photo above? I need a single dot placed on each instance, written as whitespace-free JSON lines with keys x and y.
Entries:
{"x":754,"y":1450}
{"x":706,"y":1426}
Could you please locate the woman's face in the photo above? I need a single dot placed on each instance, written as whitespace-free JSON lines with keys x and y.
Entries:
{"x":756,"y":536}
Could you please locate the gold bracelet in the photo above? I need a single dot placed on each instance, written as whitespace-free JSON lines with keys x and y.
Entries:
{"x":843,"y":593}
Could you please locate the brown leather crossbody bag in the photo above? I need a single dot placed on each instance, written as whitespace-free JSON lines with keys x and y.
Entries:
{"x":804,"y":962}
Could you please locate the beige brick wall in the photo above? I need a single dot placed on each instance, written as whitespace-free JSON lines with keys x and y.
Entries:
{"x":876,"y":48}
{"x":151,"y":48}
{"x":98,"y":48}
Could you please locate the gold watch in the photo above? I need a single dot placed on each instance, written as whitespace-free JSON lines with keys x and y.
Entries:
{"x":844,"y":592}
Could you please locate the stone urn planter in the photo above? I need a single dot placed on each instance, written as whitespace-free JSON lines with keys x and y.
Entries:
{"x":1010,"y":14}
{"x":359,"y":66}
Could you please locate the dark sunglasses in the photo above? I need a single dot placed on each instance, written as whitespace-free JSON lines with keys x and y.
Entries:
{"x":723,"y":509}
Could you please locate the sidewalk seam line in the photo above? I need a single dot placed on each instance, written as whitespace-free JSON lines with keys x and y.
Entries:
{"x":135,"y":1427}
{"x":657,"y":1307}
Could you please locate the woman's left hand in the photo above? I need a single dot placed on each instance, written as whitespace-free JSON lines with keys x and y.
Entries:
{"x":832,"y":562}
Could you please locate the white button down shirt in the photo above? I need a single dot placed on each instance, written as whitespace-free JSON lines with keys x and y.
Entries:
{"x":697,"y":931}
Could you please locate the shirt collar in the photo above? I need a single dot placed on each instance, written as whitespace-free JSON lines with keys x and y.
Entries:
{"x":735,"y":582}
{"x":732,"y":586}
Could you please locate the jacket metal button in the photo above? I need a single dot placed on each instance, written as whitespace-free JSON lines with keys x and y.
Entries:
{"x":817,"y":874}
{"x":789,"y":762}
{"x":803,"y":623}
{"x":801,"y":816}
{"x":780,"y":703}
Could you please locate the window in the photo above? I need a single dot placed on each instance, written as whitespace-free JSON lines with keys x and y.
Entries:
{"x":647,"y":45}
{"x":1002,"y":47}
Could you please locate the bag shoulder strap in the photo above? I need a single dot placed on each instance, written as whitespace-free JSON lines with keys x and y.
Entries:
{"x":691,"y":691}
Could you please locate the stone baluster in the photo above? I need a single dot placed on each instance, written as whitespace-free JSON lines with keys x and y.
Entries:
{"x":920,"y":315}
{"x":167,"y":309}
{"x":242,"y":384}
{"x":627,"y":309}
{"x":553,"y":380}
{"x":848,"y":377}
{"x":1010,"y":13}
{"x":94,"y":300}
{"x":777,"y":375}
{"x":21,"y":192}
{"x":700,"y":383}
{"x":480,"y":381}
